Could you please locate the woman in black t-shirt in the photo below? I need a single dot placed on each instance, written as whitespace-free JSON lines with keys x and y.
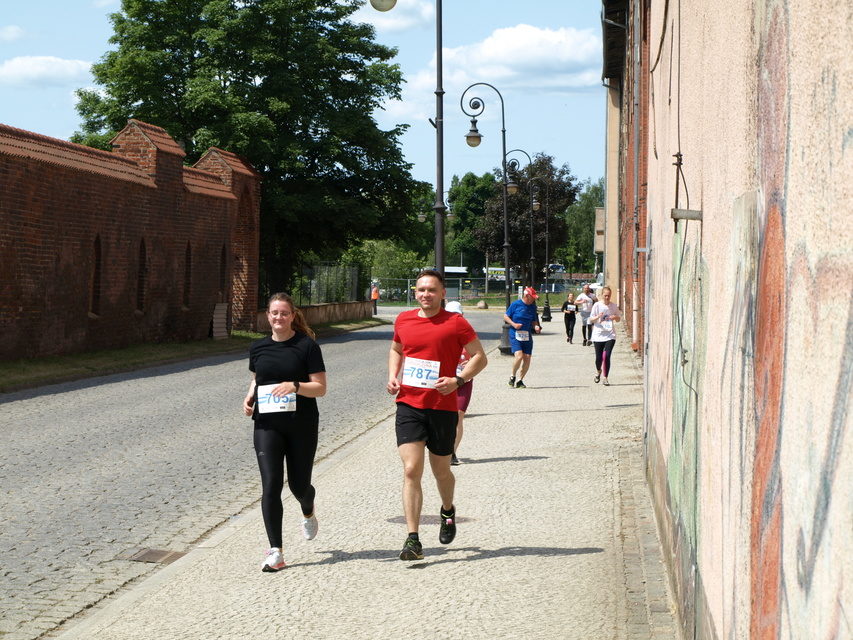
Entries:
{"x":570,"y":309}
{"x":288,"y":377}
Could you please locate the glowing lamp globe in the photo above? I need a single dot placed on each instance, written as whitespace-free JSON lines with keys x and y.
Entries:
{"x":383,"y":5}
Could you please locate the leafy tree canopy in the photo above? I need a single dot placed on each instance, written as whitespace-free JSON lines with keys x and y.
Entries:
{"x":468,"y":197}
{"x":577,"y":254}
{"x":289,"y":84}
{"x":557,"y":189}
{"x":391,"y":262}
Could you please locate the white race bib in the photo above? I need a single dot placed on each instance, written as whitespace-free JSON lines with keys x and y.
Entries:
{"x":571,"y":307}
{"x":607,"y":325}
{"x":268,"y":403}
{"x":420,"y":373}
{"x":522,"y":336}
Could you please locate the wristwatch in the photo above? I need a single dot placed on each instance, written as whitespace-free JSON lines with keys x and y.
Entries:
{"x":460,"y":381}
{"x":296,"y":386}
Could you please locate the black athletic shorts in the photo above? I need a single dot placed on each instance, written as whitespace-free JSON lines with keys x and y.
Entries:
{"x":436,"y":427}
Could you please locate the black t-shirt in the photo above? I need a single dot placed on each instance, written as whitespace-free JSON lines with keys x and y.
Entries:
{"x":274,"y":362}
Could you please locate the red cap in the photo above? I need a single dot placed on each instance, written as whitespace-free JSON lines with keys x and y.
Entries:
{"x":530,"y":291}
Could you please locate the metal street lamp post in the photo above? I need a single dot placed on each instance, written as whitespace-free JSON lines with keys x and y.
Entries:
{"x":513,"y":168}
{"x":439,"y":207}
{"x":532,"y":266}
{"x":546,"y":311}
{"x":473,"y":137}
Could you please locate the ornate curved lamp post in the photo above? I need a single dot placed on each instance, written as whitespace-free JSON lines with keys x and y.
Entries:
{"x":449,"y":216}
{"x":477,"y":106}
{"x":513,"y":170}
{"x":535,"y":206}
{"x":439,"y":207}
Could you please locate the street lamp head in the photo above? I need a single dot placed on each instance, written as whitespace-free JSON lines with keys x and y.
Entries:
{"x":383,"y":5}
{"x":473,"y":136}
{"x":536,"y":205}
{"x":511,"y":187}
{"x":421,"y":217}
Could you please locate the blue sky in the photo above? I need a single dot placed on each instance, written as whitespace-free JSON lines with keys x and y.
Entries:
{"x":544,"y":56}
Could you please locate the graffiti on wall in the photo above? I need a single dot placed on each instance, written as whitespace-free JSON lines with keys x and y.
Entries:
{"x":689,"y":340}
{"x":795,"y":538}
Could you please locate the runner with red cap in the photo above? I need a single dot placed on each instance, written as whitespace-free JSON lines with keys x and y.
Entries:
{"x":523,"y":320}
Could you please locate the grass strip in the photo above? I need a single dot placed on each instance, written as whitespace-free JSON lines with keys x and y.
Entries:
{"x":32,"y":372}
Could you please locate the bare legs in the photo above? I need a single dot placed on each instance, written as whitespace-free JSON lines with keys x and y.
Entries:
{"x":412,"y":454}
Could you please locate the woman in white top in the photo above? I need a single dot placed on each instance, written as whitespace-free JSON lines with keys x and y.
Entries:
{"x":604,"y":313}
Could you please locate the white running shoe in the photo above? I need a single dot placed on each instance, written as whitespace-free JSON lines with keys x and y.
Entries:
{"x":310,"y":527}
{"x":273,"y":562}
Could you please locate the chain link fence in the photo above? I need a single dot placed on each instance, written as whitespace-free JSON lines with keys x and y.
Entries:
{"x":326,"y":282}
{"x":399,"y":291}
{"x":402,"y":292}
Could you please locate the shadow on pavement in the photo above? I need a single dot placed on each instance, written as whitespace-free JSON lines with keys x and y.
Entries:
{"x":471,"y":554}
{"x":506,"y":459}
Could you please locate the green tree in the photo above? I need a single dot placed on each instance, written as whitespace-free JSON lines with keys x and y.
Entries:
{"x":289,"y":84}
{"x":391,"y":262}
{"x":577,"y":253}
{"x":558,"y":189}
{"x":468,"y":197}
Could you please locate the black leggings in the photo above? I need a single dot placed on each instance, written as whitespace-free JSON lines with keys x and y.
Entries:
{"x":605,"y":348}
{"x":570,"y":325}
{"x":295,"y":445}
{"x":586,"y":329}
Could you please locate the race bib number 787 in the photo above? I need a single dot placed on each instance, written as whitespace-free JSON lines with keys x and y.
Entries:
{"x":420,"y":373}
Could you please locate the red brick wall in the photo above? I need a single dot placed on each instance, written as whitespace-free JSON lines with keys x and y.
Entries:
{"x":57,"y":198}
{"x":632,"y":225}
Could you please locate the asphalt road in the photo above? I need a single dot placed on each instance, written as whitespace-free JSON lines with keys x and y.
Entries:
{"x":97,"y":470}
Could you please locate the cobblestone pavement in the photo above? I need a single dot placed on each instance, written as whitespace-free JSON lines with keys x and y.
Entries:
{"x":556,"y":534}
{"x":97,"y":470}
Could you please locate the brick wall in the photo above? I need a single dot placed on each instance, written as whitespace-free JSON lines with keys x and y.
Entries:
{"x":103,"y":250}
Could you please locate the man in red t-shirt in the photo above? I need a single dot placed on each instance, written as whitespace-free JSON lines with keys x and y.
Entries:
{"x":425,"y":349}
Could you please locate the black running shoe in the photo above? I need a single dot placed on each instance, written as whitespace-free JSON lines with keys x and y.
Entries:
{"x":454,"y":460}
{"x":520,"y":385}
{"x":412,"y":550}
{"x":448,"y":527}
{"x":512,"y":381}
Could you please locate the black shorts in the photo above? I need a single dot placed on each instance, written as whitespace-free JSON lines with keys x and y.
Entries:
{"x":436,"y":427}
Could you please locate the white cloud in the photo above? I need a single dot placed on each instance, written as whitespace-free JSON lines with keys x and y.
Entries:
{"x":530,"y":58}
{"x":100,"y":4}
{"x":11,"y":33}
{"x":40,"y":71}
{"x":520,"y":61}
{"x":405,"y":15}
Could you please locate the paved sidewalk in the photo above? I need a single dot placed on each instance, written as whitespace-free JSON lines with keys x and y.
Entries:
{"x":556,"y":536}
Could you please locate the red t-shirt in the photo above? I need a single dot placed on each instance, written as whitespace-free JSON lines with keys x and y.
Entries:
{"x":439,"y":338}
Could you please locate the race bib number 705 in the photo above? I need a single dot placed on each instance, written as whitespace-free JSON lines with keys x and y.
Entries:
{"x":268,"y":403}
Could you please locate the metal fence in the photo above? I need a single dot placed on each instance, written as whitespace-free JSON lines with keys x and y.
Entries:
{"x":403,"y":291}
{"x":326,"y":282}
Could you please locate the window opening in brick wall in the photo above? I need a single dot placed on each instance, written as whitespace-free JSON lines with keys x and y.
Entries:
{"x":95,"y":290}
{"x":188,"y":271}
{"x":141,"y":276}
{"x":223,"y":275}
